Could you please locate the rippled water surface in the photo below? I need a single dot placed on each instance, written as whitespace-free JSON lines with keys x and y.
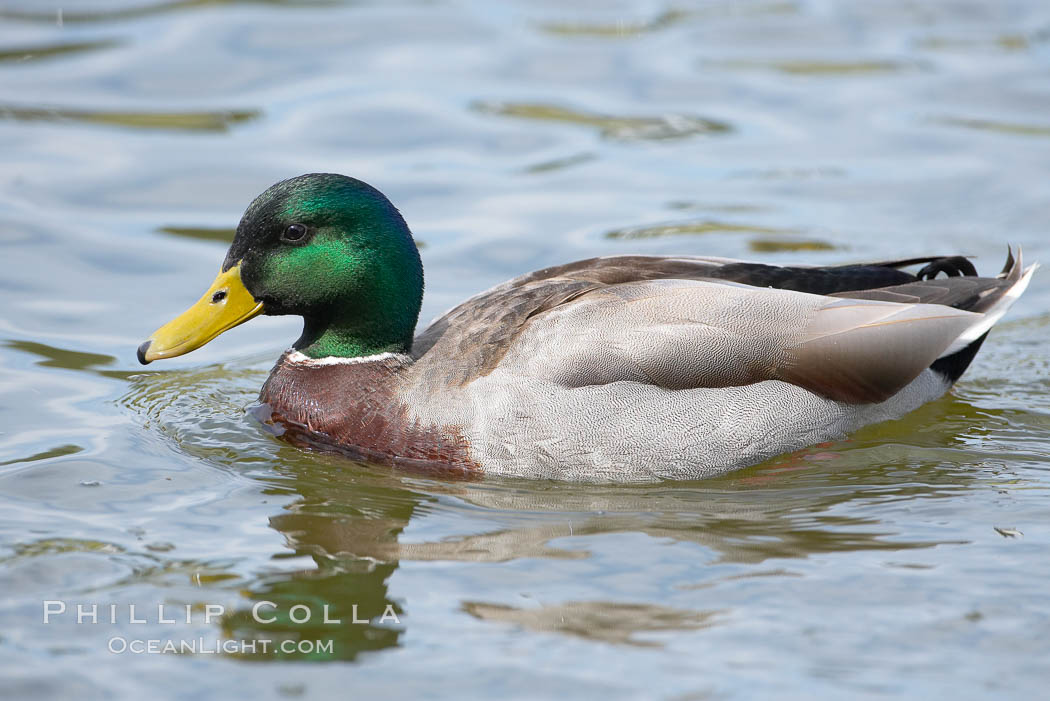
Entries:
{"x":911,"y":559}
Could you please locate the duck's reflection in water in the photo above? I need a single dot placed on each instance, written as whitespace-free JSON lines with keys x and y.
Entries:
{"x":351,"y":520}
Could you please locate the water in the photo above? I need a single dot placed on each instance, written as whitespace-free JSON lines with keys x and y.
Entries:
{"x":911,"y":559}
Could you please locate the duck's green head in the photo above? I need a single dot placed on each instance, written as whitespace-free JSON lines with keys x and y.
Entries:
{"x":325,"y":247}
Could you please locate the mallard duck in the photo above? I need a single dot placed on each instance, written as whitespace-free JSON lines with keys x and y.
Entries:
{"x":625,"y":368}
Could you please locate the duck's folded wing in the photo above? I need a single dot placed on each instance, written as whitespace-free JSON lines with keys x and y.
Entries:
{"x":488,"y":321}
{"x":681,"y":334}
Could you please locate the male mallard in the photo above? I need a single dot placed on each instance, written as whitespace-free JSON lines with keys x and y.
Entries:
{"x":612,"y":368}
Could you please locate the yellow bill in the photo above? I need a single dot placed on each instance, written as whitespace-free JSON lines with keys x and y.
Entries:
{"x":226,"y":304}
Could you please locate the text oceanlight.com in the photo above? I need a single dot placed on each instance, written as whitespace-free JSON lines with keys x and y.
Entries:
{"x":204,"y":646}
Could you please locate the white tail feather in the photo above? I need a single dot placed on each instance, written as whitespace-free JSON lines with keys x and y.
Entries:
{"x":991,"y":317}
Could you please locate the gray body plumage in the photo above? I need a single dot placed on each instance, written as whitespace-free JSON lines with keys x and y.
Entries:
{"x":587,"y":374}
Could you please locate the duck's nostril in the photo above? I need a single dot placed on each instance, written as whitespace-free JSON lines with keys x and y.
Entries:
{"x":218,"y":296}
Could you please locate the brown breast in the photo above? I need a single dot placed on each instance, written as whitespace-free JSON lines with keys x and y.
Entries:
{"x":356,"y":409}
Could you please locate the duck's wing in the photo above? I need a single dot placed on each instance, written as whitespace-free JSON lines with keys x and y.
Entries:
{"x":495,"y":315}
{"x":469,"y":339}
{"x":686,"y":322}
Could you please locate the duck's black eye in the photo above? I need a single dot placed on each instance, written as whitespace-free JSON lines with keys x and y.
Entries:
{"x":294,"y":232}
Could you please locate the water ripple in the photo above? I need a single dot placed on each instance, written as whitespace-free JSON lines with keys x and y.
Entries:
{"x":616,"y":128}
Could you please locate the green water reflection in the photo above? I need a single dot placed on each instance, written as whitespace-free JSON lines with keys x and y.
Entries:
{"x":192,"y":121}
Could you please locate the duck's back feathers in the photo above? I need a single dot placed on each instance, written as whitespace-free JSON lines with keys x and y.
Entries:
{"x":489,"y":321}
{"x":855,"y":334}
